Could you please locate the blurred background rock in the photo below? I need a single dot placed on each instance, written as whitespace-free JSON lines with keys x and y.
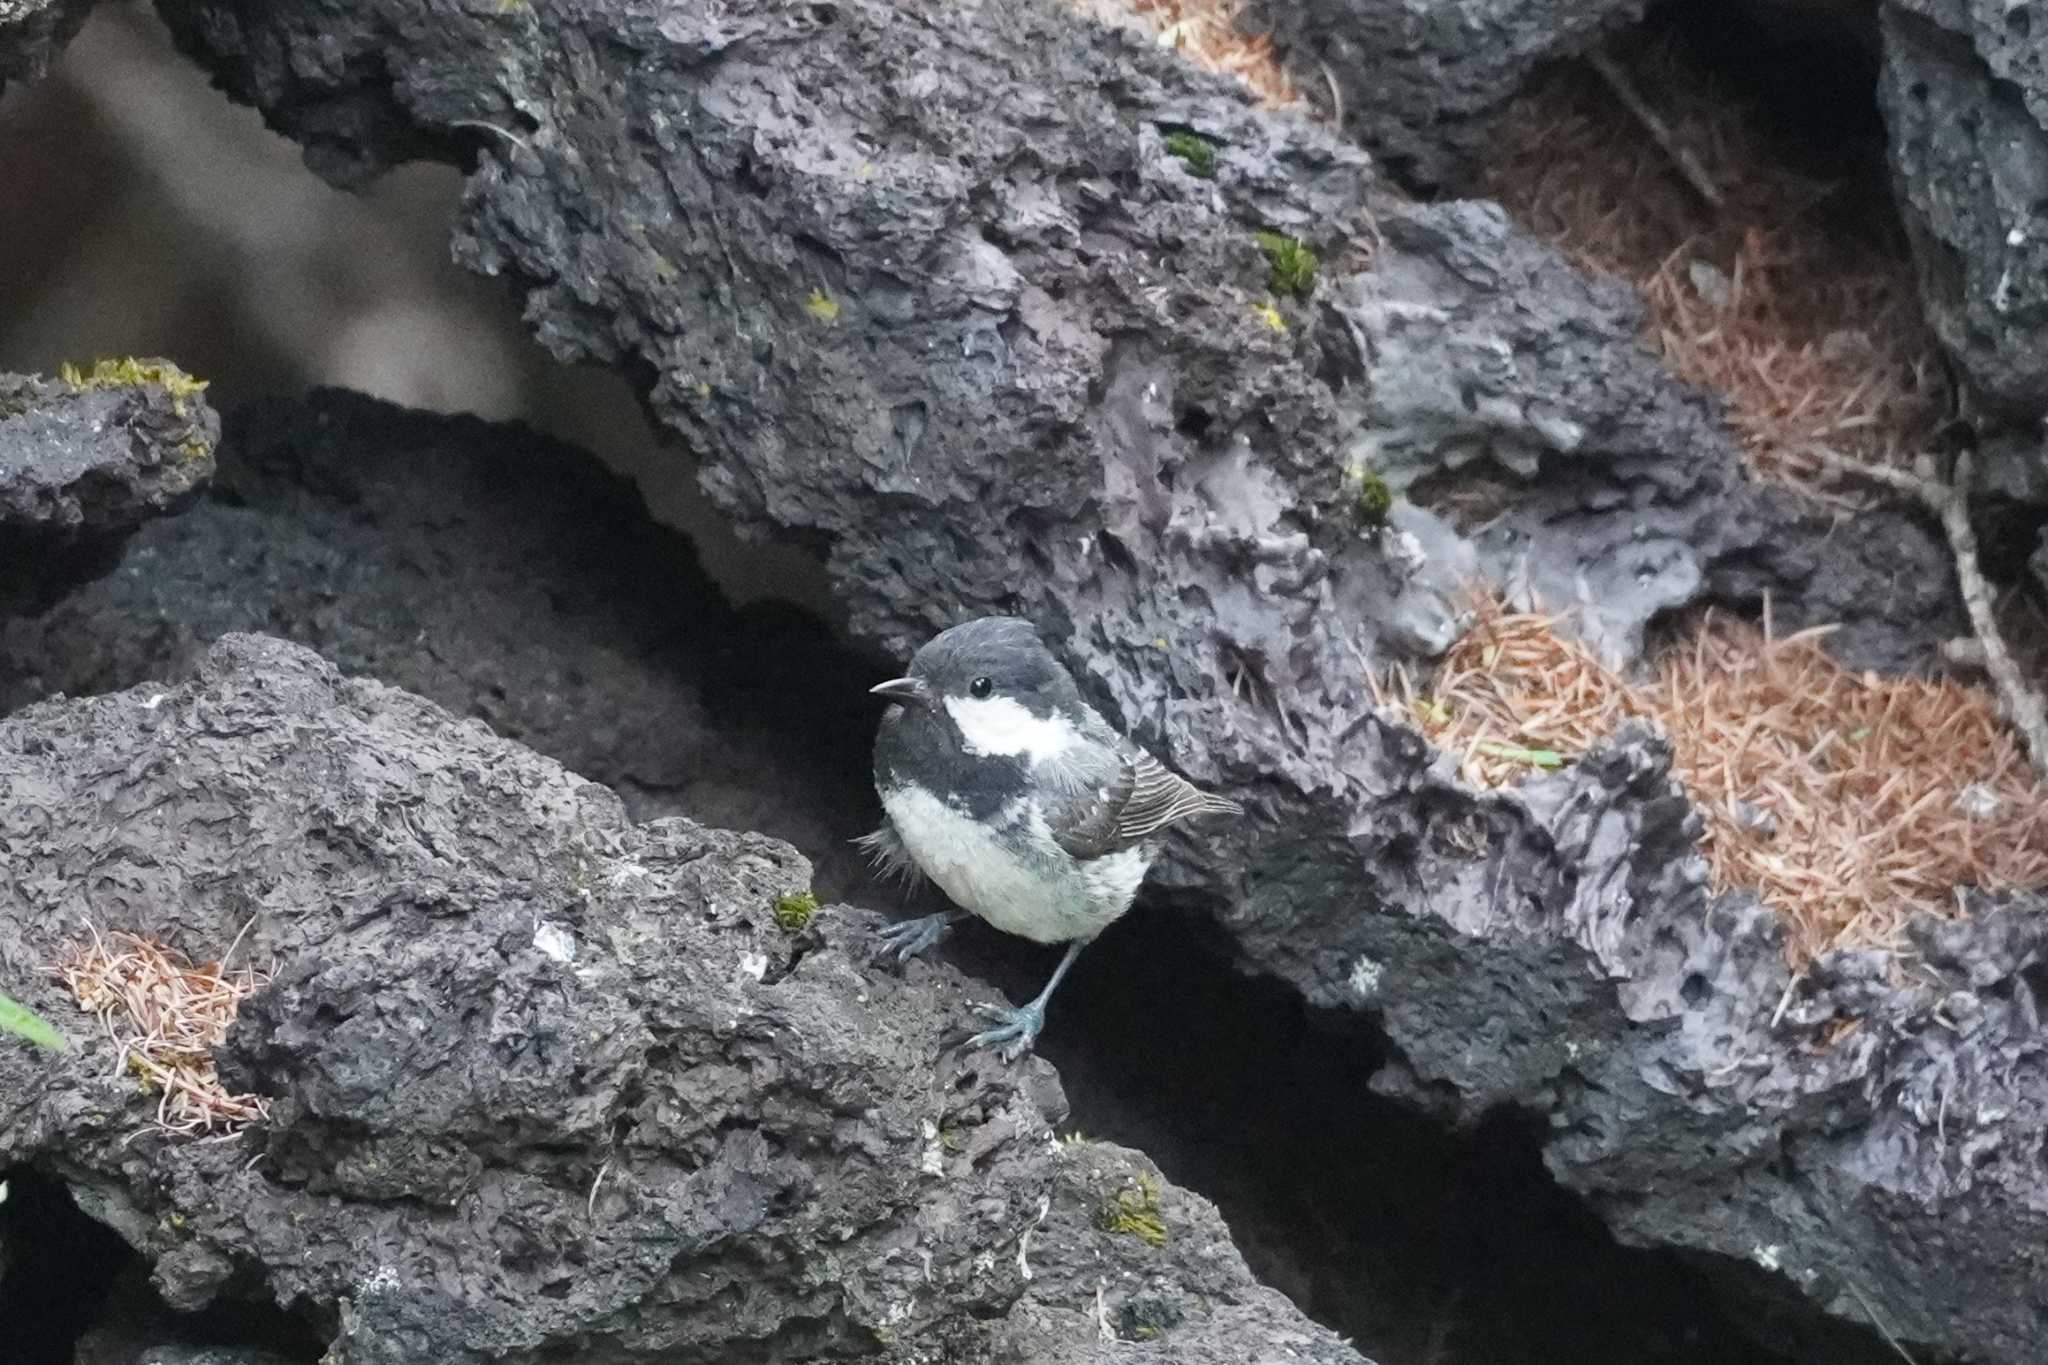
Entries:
{"x":142,"y":214}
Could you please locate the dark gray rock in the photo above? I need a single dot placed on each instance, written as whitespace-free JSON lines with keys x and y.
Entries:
{"x":547,"y":1084}
{"x":81,"y":465}
{"x":1420,"y":83}
{"x":101,"y":454}
{"x":505,"y":576}
{"x":1502,"y":386}
{"x":982,"y":291}
{"x":32,"y":32}
{"x":1883,"y":576}
{"x":1965,"y":98}
{"x":966,"y":324}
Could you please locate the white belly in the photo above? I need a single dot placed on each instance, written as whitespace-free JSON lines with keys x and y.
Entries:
{"x":1048,"y":899}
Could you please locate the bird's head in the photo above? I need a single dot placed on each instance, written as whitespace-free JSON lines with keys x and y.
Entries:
{"x":994,"y":686}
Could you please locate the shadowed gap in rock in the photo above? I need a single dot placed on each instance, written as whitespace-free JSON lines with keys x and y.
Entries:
{"x":72,"y":1293}
{"x":1420,"y":1243}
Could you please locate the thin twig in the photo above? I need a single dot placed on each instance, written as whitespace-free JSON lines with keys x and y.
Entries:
{"x":1870,"y":1314}
{"x":1653,"y":123}
{"x":1950,"y":503}
{"x":505,"y":133}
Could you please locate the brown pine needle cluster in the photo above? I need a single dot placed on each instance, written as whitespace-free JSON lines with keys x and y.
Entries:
{"x":1796,"y":307}
{"x":1850,"y":801}
{"x":166,"y":1016}
{"x":1206,"y":33}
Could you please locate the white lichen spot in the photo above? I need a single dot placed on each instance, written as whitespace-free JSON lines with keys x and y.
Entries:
{"x":623,"y":872}
{"x":1365,"y":978}
{"x":1024,"y":1241}
{"x":984,"y":1262}
{"x":933,"y":1160}
{"x":155,"y":701}
{"x":1405,"y":555}
{"x":1767,"y":1257}
{"x":378,"y":1281}
{"x":754,"y":965}
{"x":2017,"y":237}
{"x":1978,"y":802}
{"x":554,"y":941}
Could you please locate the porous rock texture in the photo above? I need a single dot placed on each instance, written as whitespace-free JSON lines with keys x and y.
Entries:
{"x":81,"y":465}
{"x":965,"y":322}
{"x":1965,"y":99}
{"x":506,"y":576}
{"x":32,"y":32}
{"x":547,"y":1084}
{"x":1419,"y":84}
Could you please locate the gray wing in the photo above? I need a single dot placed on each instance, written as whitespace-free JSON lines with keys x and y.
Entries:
{"x":1111,"y":797}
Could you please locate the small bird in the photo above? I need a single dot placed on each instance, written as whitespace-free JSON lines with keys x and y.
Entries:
{"x":1018,"y":799}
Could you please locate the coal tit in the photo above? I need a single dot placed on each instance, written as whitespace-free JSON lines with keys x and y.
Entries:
{"x":1021,"y":802}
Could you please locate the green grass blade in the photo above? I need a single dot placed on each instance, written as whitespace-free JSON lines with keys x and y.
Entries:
{"x":23,"y":1022}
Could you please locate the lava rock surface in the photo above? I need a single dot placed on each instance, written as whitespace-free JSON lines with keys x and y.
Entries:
{"x":506,"y":576}
{"x":1420,"y":84}
{"x":543,"y":1080}
{"x":83,"y":464}
{"x":1965,"y":98}
{"x":33,"y":32}
{"x":970,"y":324}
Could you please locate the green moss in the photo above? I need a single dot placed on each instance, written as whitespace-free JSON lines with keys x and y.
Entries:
{"x":1197,"y":151}
{"x":1291,"y":264}
{"x":1134,"y":1211}
{"x":794,"y":911}
{"x":128,"y":373}
{"x":1375,"y":500}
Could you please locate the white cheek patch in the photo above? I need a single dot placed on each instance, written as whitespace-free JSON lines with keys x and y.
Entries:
{"x":997,"y":727}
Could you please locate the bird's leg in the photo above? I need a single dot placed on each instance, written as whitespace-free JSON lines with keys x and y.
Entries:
{"x":907,"y":938}
{"x":1019,"y":1027}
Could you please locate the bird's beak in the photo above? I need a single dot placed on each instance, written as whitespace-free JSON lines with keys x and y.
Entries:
{"x":910,"y":691}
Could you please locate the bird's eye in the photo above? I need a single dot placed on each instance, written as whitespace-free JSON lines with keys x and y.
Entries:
{"x":980,"y":687}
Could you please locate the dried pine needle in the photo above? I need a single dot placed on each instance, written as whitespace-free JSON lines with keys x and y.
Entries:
{"x":1850,"y":801}
{"x":1206,"y":33}
{"x":1812,"y":334}
{"x":166,"y":1015}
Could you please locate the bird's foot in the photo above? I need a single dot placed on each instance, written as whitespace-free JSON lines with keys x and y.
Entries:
{"x":1019,"y":1028}
{"x":907,"y":938}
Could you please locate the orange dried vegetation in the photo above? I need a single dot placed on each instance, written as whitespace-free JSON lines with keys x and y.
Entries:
{"x":1206,"y":33}
{"x":1850,"y":801}
{"x":166,"y":1016}
{"x":1812,"y":334}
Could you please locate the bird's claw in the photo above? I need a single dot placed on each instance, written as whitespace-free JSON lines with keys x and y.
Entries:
{"x":907,"y":938}
{"x":1019,"y":1027}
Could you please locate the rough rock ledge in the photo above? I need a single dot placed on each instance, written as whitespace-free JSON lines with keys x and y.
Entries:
{"x":544,"y":1080}
{"x":967,"y":323}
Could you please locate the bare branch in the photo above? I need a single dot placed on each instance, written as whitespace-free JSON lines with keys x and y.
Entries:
{"x":1654,"y":124}
{"x":1950,"y":503}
